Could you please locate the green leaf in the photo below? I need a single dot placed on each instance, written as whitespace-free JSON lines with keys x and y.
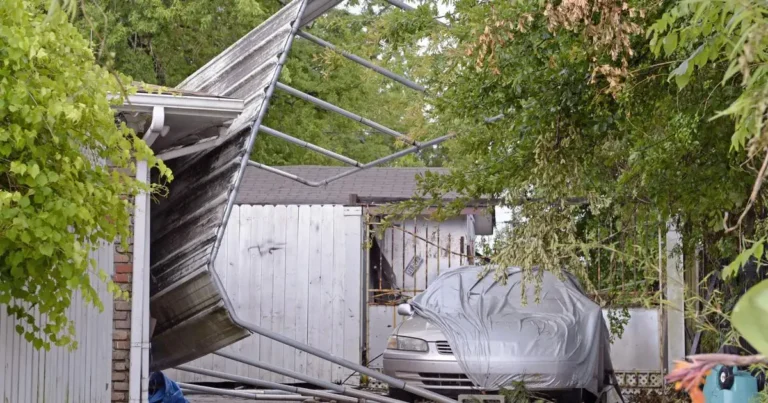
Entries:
{"x":756,"y":250}
{"x":18,"y":167}
{"x":46,"y":249}
{"x":750,"y":316}
{"x":33,"y":170}
{"x":670,"y":43}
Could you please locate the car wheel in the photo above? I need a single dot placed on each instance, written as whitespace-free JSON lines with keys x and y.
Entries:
{"x":400,"y":394}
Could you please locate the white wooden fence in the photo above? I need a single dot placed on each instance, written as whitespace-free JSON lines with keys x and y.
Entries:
{"x":296,"y":270}
{"x":59,"y":375}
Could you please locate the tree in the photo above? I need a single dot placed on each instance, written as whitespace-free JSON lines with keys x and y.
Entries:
{"x":619,"y":117}
{"x":596,"y":149}
{"x":58,"y":197}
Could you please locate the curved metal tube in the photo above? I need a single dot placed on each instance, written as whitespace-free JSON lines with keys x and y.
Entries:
{"x":391,"y":381}
{"x":317,"y":382}
{"x":239,"y":393}
{"x":266,"y":384}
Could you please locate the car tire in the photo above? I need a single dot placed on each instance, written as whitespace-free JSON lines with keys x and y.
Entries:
{"x":400,"y":394}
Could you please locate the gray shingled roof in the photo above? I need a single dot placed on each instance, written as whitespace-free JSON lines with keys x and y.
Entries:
{"x":370,"y":185}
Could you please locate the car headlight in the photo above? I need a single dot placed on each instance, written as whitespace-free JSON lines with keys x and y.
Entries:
{"x":407,"y":344}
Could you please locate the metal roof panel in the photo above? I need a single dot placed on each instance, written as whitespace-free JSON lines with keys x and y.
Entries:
{"x":187,"y":298}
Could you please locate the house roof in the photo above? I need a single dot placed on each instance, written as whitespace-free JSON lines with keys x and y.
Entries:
{"x":373,"y":185}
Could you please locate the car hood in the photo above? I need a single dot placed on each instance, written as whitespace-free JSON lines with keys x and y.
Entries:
{"x":420,"y":328}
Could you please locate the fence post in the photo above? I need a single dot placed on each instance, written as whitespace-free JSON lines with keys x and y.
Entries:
{"x":675,"y":293}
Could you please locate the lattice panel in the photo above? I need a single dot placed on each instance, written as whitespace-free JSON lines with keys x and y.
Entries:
{"x":633,"y":383}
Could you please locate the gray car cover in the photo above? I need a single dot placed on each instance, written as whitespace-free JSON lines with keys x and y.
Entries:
{"x":561,"y":342}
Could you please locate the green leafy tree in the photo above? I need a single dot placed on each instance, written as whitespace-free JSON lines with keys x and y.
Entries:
{"x":65,"y":169}
{"x":732,"y":35}
{"x":597,"y":150}
{"x":619,"y":118}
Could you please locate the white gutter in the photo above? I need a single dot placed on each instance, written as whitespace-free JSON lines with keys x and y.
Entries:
{"x":197,"y":106}
{"x":138,"y":383}
{"x":184,"y":105}
{"x":140,"y":270}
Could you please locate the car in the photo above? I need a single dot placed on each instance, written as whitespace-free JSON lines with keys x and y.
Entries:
{"x":470,"y":334}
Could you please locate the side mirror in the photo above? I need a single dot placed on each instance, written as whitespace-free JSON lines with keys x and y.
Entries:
{"x":405,"y":309}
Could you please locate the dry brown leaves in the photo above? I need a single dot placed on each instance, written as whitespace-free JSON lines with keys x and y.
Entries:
{"x":611,"y":31}
{"x":609,"y":25}
{"x":497,"y":32}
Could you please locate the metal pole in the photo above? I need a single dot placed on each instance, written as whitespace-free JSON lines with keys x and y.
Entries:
{"x":139,"y":306}
{"x":309,"y":146}
{"x":267,"y":384}
{"x":359,"y":60}
{"x":494,"y":118}
{"x":401,"y":5}
{"x":391,"y":381}
{"x":343,"y":112}
{"x":237,"y":393}
{"x":353,"y":170}
{"x":314,"y":381}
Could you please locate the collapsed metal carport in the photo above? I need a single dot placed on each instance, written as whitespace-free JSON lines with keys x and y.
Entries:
{"x":188,"y":309}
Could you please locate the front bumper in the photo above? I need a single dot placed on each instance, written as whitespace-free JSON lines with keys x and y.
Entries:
{"x":436,"y":369}
{"x":441,"y":372}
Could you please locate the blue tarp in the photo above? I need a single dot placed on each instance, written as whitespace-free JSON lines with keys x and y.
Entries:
{"x":164,"y":390}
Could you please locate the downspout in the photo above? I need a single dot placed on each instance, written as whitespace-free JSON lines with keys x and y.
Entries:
{"x":138,"y":381}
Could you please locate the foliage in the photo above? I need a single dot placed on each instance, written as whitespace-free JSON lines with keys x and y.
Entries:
{"x":733,"y":33}
{"x":596,"y":151}
{"x":58,"y":199}
{"x":163,"y":42}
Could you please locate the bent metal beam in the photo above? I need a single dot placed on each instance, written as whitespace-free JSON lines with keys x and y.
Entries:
{"x":371,"y":164}
{"x":314,"y":381}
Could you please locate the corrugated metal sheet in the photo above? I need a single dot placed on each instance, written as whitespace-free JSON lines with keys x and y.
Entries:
{"x":316,"y":8}
{"x":59,"y":375}
{"x":187,"y":298}
{"x":296,"y":270}
{"x":190,"y":310}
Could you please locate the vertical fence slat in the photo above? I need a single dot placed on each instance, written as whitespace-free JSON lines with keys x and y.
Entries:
{"x":353,"y":287}
{"x":243,"y":283}
{"x":314,"y":320}
{"x":326,"y":288}
{"x":254,"y":301}
{"x":338,"y":293}
{"x":267,"y":272}
{"x":291,"y":282}
{"x":277,"y":252}
{"x":303,"y":268}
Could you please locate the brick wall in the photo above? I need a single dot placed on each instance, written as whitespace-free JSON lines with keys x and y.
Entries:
{"x":121,"y":334}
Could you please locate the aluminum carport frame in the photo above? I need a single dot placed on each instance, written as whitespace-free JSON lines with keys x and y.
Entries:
{"x":317,"y":382}
{"x":233,"y":73}
{"x":246,"y":395}
{"x":266,"y":384}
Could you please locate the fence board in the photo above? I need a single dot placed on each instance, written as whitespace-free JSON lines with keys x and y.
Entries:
{"x":29,"y":375}
{"x":292,"y":274}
